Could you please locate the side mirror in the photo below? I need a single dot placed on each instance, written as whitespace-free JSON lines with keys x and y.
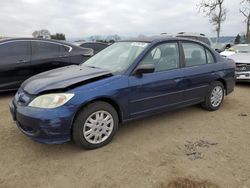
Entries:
{"x":142,"y":69}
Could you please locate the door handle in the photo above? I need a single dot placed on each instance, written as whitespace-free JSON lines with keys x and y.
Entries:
{"x":178,"y":79}
{"x":213,"y":73}
{"x":22,"y":61}
{"x":63,"y":56}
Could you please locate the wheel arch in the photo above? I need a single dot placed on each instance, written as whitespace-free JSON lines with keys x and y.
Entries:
{"x":223,"y":82}
{"x":108,"y":100}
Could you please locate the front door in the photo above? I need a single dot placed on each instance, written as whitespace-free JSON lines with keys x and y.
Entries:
{"x":161,"y":89}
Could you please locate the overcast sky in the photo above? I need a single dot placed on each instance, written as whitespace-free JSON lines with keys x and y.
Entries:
{"x":80,"y":18}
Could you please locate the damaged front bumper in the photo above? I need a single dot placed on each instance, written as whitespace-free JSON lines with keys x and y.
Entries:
{"x":43,"y":125}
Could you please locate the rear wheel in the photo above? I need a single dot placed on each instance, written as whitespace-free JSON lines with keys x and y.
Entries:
{"x":215,"y":96}
{"x":95,"y":125}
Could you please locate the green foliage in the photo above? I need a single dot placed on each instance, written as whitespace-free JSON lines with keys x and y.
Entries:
{"x":58,"y":36}
{"x":237,"y":39}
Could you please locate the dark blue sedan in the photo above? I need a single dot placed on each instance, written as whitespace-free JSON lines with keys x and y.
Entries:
{"x":127,"y":80}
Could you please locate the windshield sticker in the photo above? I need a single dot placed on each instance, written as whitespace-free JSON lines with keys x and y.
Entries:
{"x":139,"y":44}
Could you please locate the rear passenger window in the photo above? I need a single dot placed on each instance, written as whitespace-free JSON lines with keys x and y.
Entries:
{"x":40,"y":48}
{"x":100,"y":47}
{"x":64,"y":48}
{"x":210,"y":57}
{"x":164,"y":57}
{"x":87,"y":45}
{"x":194,"y":54}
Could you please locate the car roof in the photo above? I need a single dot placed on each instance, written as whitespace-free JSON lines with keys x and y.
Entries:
{"x":161,"y":38}
{"x":89,"y":42}
{"x":188,"y":34}
{"x":191,"y":34}
{"x":94,"y":42}
{"x":35,"y":39}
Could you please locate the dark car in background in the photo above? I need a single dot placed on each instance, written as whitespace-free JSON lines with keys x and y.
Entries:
{"x":96,"y":46}
{"x":24,"y":57}
{"x":128,"y":80}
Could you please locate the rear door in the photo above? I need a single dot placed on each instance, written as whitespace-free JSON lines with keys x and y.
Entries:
{"x":199,"y":71}
{"x":14,"y":64}
{"x":48,"y":55}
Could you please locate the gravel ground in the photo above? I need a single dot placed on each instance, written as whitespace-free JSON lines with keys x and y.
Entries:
{"x":188,"y":147}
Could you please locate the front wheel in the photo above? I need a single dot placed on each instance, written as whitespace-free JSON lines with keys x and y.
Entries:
{"x":95,"y":125}
{"x":214,"y":97}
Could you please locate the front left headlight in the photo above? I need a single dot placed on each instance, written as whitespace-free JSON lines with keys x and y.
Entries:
{"x":51,"y":100}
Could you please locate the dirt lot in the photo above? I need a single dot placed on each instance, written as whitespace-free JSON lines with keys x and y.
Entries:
{"x":186,"y":146}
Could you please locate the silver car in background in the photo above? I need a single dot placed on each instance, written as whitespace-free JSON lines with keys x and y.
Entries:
{"x":239,"y":48}
{"x":242,"y":60}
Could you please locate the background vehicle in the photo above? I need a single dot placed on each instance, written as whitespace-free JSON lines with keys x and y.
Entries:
{"x":240,"y":53}
{"x":127,"y":80}
{"x":24,"y":57}
{"x":96,"y":46}
{"x":242,"y":61}
{"x":239,"y":48}
{"x":196,"y":36}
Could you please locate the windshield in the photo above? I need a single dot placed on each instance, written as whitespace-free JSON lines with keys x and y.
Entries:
{"x":117,"y":57}
{"x":241,"y":48}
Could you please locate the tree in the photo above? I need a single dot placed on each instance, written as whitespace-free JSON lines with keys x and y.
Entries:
{"x":245,"y":11}
{"x":113,"y":38}
{"x":95,"y":38}
{"x":44,"y":33}
{"x":237,"y":39}
{"x":216,"y":12}
{"x":58,"y":36}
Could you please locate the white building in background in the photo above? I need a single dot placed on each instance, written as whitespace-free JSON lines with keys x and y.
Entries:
{"x":43,"y":34}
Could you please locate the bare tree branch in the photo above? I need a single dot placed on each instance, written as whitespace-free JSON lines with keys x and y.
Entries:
{"x":216,"y":12}
{"x":245,"y":11}
{"x":242,"y":11}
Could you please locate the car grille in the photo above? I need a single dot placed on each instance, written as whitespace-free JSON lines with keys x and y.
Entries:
{"x":240,"y":67}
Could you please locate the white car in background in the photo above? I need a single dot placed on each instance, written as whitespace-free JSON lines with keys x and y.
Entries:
{"x":242,"y":60}
{"x":239,"y":48}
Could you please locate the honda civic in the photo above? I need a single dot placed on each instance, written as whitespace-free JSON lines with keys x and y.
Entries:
{"x":128,"y":80}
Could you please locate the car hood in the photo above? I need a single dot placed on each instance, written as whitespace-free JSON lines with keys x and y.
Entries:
{"x":227,"y":53}
{"x":241,"y":57}
{"x":62,"y":78}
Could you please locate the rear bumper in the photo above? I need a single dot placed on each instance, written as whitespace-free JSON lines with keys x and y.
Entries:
{"x":44,"y":126}
{"x":230,"y":84}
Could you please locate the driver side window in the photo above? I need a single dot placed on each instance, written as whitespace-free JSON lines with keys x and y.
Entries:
{"x":163,"y":57}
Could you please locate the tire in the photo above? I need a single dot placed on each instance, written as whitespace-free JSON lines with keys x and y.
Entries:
{"x":95,"y":125}
{"x":209,"y":103}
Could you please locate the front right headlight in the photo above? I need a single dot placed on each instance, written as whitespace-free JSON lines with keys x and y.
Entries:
{"x":53,"y":100}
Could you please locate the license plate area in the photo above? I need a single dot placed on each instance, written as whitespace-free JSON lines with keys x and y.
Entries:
{"x":243,"y":75}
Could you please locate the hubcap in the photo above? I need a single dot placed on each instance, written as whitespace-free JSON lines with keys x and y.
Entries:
{"x":98,"y":127}
{"x":217,"y":96}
